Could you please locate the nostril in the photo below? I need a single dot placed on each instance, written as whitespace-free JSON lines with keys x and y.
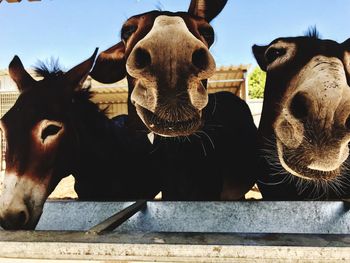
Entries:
{"x":299,"y":106}
{"x":142,"y":58}
{"x":22,"y":218}
{"x":347,"y":123}
{"x":200,"y":58}
{"x":14,"y":220}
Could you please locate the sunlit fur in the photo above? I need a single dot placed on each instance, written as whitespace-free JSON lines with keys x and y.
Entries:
{"x":167,"y":93}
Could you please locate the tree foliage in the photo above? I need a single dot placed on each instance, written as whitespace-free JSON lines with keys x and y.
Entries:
{"x":256,"y":80}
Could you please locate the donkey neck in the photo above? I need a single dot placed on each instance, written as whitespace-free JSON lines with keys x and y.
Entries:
{"x":104,"y":139}
{"x":106,"y":148}
{"x":95,"y":133}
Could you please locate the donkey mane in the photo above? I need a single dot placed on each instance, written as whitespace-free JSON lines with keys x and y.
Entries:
{"x":312,"y":32}
{"x":48,"y":69}
{"x":52,"y":70}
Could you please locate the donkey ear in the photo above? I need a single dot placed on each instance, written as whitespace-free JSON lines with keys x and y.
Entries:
{"x":346,"y":59}
{"x":77,"y":75}
{"x":346,"y":44}
{"x":20,"y":75}
{"x":259,"y":54}
{"x":207,"y":9}
{"x":110,"y":65}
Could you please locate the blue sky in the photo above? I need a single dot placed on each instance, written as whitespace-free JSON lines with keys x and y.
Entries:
{"x":71,"y":29}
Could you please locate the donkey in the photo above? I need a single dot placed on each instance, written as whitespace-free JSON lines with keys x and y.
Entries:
{"x":165,"y":57}
{"x":305,"y":122}
{"x":54,"y":130}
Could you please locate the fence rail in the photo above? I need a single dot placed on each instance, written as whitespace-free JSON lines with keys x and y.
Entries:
{"x":257,"y":231}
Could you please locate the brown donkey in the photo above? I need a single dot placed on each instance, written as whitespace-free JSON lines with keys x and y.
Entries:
{"x":54,"y":130}
{"x":305,"y":124}
{"x":165,"y":56}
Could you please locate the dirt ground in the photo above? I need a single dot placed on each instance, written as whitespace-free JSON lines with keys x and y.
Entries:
{"x":65,"y":189}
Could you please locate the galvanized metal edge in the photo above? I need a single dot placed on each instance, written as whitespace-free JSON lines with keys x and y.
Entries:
{"x":174,"y":247}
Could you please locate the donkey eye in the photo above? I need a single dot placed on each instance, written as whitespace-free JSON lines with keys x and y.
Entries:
{"x":273,"y":53}
{"x":127,"y":31}
{"x":49,"y":131}
{"x":207,"y":33}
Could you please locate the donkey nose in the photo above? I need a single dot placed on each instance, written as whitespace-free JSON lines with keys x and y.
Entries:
{"x":142,"y":58}
{"x":300,"y":106}
{"x":15,"y":220}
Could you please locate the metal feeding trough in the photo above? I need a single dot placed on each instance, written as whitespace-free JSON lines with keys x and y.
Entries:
{"x":185,"y":232}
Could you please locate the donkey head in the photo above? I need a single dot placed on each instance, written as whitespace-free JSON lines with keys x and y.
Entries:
{"x":38,"y":137}
{"x":166,"y":59}
{"x":307,"y":104}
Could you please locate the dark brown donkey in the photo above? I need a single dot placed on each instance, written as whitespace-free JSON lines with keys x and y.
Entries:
{"x":305,"y":124}
{"x":54,"y":130}
{"x":165,"y":57}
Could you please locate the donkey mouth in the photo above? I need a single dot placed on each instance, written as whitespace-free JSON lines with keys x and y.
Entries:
{"x":9,"y":225}
{"x":293,"y":163}
{"x":170,"y":127}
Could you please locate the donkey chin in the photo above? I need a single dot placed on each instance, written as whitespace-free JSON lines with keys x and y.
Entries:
{"x":312,"y":164}
{"x":171,"y":126}
{"x":180,"y":114}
